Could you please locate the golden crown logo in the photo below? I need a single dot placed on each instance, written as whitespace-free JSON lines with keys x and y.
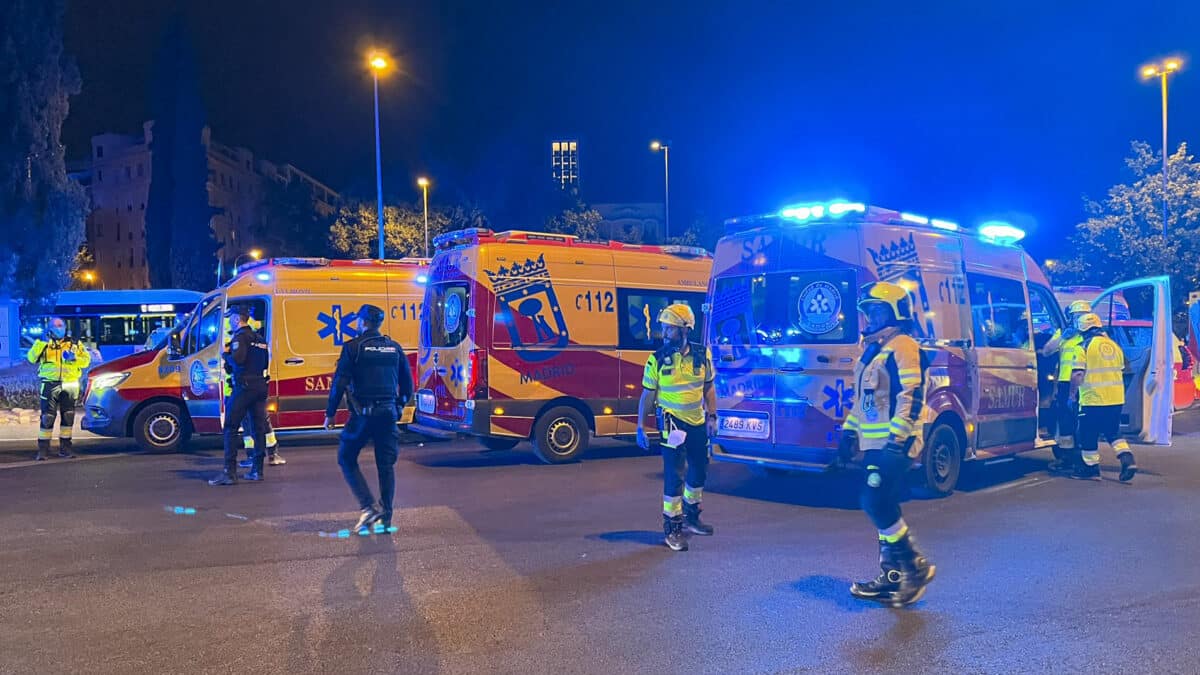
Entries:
{"x":893,"y":260}
{"x":508,"y":279}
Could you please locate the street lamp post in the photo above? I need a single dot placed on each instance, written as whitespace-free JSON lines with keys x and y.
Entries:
{"x":423,"y":182}
{"x":1162,"y":71}
{"x":379,"y":63}
{"x":666,"y":151}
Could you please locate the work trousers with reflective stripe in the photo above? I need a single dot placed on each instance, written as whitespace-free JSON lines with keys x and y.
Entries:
{"x":1096,"y":423}
{"x":689,"y":461}
{"x":248,"y":400}
{"x":57,"y":403}
{"x":1066,"y":415}
{"x":884,"y":486}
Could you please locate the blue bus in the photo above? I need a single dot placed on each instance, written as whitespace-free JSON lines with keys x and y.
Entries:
{"x":115,"y":323}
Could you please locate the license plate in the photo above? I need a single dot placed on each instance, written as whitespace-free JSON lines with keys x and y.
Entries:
{"x":426,"y":402}
{"x":743,"y":425}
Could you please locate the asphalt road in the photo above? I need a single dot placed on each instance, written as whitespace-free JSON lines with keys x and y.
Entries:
{"x":505,"y":565}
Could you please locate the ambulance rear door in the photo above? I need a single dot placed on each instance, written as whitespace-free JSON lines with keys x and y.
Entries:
{"x":1137,"y":315}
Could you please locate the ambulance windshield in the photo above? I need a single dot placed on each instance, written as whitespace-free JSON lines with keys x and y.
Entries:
{"x":785,"y":308}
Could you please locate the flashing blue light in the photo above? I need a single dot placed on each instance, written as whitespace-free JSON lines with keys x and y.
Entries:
{"x":944,"y":225}
{"x":365,"y":532}
{"x":797,"y":212}
{"x":422,"y":278}
{"x":818,"y":210}
{"x":914,"y":218}
{"x":263,"y":277}
{"x":842,"y":208}
{"x":343,"y":534}
{"x":179,"y":509}
{"x":1001,"y":232}
{"x":189,"y":511}
{"x":392,"y":529}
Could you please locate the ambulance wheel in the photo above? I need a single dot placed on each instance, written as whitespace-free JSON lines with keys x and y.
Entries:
{"x":941,"y":462}
{"x":161,"y":427}
{"x":499,"y":442}
{"x":560,"y":435}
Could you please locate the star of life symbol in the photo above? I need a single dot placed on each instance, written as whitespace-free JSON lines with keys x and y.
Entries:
{"x":838,"y":398}
{"x":456,"y":372}
{"x":338,"y":325}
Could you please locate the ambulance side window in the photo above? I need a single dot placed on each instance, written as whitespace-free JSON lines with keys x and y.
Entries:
{"x":1043,"y":313}
{"x":208,"y":328}
{"x":639,"y":327}
{"x":997,"y":312}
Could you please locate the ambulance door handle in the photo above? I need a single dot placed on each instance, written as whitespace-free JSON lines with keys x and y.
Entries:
{"x":212,"y":362}
{"x":823,"y":359}
{"x":293,"y":362}
{"x":792,"y":369}
{"x":727,"y":358}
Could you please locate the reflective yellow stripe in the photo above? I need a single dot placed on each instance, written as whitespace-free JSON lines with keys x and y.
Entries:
{"x":686,"y":386}
{"x":894,"y":533}
{"x":65,"y":432}
{"x":851,"y":424}
{"x":692,"y":495}
{"x":672,"y":506}
{"x":247,"y":442}
{"x":271,"y":440}
{"x":1091,"y":457}
{"x":1120,"y":445}
{"x":875,"y":434}
{"x":899,"y":432}
{"x":45,"y":434}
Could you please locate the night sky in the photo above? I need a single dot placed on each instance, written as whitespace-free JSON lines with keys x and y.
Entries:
{"x":1016,"y":109}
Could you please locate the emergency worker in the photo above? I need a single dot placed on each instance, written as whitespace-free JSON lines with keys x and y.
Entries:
{"x":246,"y":363}
{"x":678,"y":383}
{"x":885,"y":424}
{"x":273,"y":456}
{"x":1066,"y":408}
{"x":1098,"y":383}
{"x":60,"y":364}
{"x":372,"y":372}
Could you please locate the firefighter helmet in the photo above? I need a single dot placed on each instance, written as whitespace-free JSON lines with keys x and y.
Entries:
{"x":889,"y":294}
{"x":1087,"y":322}
{"x":678,"y":314}
{"x":1079,"y":307}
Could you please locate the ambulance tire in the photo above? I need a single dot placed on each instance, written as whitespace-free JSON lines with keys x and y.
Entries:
{"x":161,"y":427}
{"x":499,"y":442}
{"x":560,"y":435}
{"x":941,"y":463}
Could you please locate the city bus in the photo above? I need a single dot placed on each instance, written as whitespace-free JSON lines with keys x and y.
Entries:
{"x":115,"y":322}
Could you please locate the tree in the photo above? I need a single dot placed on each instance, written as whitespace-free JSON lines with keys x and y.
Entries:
{"x":355,"y":231}
{"x":1122,"y":238}
{"x":83,"y":269}
{"x":42,"y":211}
{"x":179,"y":238}
{"x":290,"y":224}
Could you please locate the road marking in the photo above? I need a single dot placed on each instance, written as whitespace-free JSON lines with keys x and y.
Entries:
{"x":54,"y":460}
{"x":1025,"y":482}
{"x":238,"y":516}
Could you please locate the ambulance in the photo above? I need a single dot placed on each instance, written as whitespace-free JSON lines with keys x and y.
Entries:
{"x":308,"y":307}
{"x":544,"y":337}
{"x":784,"y":331}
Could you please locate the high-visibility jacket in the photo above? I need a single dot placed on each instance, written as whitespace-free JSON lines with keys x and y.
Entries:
{"x":1068,"y":355}
{"x":680,"y":381}
{"x":1104,"y":368}
{"x":52,"y":367}
{"x":889,"y":392}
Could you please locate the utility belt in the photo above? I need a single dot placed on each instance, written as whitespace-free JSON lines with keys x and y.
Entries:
{"x":380,"y":407}
{"x":249,"y":382}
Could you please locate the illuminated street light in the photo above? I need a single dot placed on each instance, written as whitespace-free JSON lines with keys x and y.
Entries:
{"x":379,"y":64}
{"x":655,"y":146}
{"x":423,"y":183}
{"x":1162,"y":71}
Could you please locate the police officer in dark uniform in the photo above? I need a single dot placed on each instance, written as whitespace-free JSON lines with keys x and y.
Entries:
{"x":246,"y":363}
{"x":374,"y":371}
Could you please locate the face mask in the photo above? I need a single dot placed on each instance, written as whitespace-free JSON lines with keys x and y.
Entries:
{"x":57,"y":332}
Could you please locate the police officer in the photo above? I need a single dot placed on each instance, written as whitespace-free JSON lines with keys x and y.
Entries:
{"x":885,"y":425}
{"x":246,"y":363}
{"x":1098,"y":383}
{"x":678,"y":382}
{"x":374,"y":372}
{"x":60,"y":364}
{"x":1065,"y":408}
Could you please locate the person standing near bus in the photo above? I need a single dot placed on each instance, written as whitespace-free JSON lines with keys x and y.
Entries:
{"x":885,"y":425}
{"x":1065,"y":408}
{"x":247,"y":363}
{"x":678,"y":383}
{"x":373,"y":371}
{"x":1098,"y":383}
{"x":60,"y":364}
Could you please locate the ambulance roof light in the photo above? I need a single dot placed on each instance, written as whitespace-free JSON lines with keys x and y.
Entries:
{"x":263,"y":277}
{"x":292,"y":262}
{"x":696,"y":251}
{"x":461,"y":236}
{"x":1001,"y":232}
{"x":914,"y":218}
{"x":944,"y":224}
{"x":422,"y":278}
{"x":835,"y":208}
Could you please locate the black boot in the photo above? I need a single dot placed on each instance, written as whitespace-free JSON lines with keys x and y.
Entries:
{"x":692,"y":522}
{"x":368,"y":517}
{"x":1128,"y":466}
{"x":673,"y":529}
{"x":1062,"y":461}
{"x":227,"y":477}
{"x":64,"y":448}
{"x":905,"y":572}
{"x":1086,"y":471}
{"x":256,"y":470}
{"x":43,"y":449}
{"x":246,"y":463}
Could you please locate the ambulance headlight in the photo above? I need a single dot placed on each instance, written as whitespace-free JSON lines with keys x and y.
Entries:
{"x":106,"y":381}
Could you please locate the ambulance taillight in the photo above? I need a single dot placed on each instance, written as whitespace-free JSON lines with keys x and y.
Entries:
{"x":477,"y":381}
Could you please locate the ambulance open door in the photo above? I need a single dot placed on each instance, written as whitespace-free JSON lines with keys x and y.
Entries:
{"x":1127,"y":310}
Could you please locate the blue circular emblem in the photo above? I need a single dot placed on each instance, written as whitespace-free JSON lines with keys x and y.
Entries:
{"x":819,"y":308}
{"x":453,"y":312}
{"x":197,"y":379}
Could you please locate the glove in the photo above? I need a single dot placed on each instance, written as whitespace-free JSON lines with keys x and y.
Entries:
{"x":642,"y":441}
{"x":847,"y":446}
{"x":68,"y":356}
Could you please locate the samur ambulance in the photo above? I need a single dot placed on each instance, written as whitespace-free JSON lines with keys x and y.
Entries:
{"x":308,"y":307}
{"x":544,"y":337}
{"x":784,"y":331}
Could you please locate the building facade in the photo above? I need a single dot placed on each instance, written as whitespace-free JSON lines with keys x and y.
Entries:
{"x":564,"y":163}
{"x":119,"y":177}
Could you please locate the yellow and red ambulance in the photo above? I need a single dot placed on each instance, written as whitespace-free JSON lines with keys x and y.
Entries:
{"x":784,"y":331}
{"x":308,"y":308}
{"x":544,"y":337}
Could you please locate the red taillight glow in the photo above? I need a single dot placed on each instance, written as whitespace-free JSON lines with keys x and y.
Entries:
{"x":477,"y":383}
